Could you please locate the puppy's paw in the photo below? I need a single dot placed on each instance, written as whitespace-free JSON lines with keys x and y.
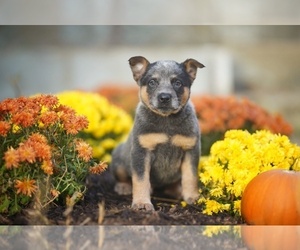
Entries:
{"x":123,"y":188}
{"x":190,"y":199}
{"x":142,"y":206}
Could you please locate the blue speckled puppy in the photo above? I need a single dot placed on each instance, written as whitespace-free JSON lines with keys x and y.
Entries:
{"x":163,"y":147}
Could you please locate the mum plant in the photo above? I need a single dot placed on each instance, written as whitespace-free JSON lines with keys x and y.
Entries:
{"x":218,"y":114}
{"x":236,"y":160}
{"x":125,"y":96}
{"x":41,"y":157}
{"x":108,"y":124}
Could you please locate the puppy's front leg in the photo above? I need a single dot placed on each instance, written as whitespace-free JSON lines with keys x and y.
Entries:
{"x":141,"y":187}
{"x":189,"y":180}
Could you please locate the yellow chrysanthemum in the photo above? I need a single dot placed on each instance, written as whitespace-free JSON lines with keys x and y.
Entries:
{"x":108,"y":124}
{"x":236,"y":160}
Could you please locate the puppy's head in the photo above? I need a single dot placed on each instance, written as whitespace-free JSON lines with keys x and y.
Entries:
{"x":164,"y":85}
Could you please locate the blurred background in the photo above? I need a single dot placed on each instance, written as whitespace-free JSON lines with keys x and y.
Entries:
{"x":260,"y":62}
{"x":150,"y":12}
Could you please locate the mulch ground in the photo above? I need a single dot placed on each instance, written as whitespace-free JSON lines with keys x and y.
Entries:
{"x":102,"y":205}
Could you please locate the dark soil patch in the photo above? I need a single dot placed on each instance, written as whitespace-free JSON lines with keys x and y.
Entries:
{"x":102,"y":205}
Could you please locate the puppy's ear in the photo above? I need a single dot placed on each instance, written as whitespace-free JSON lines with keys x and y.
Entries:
{"x":138,"y":65}
{"x":191,"y":66}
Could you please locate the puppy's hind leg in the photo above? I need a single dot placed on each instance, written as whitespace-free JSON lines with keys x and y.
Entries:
{"x":123,"y":185}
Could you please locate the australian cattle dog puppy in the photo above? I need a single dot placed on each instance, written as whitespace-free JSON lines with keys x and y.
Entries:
{"x":163,"y":147}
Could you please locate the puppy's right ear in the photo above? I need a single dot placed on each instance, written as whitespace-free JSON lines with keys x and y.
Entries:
{"x":138,"y":65}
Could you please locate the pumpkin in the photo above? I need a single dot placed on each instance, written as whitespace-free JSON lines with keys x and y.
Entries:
{"x":271,"y":237}
{"x":272,"y":198}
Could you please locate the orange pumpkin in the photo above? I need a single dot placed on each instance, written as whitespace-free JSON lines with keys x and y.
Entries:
{"x":271,"y":237}
{"x":272,"y":198}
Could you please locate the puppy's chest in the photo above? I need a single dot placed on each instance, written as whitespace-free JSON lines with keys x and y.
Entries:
{"x":150,"y":141}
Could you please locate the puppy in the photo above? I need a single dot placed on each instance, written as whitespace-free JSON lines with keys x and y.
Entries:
{"x":164,"y":145}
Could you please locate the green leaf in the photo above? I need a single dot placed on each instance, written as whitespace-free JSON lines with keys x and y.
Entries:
{"x":5,"y":202}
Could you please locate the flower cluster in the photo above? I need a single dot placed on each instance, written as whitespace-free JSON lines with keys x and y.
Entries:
{"x":121,"y":95}
{"x":108,"y":124}
{"x":218,"y":114}
{"x":40,"y":153}
{"x":236,"y":160}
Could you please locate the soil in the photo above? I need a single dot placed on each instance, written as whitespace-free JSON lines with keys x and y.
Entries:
{"x":101,"y":205}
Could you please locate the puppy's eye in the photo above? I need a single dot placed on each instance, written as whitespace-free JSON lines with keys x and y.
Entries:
{"x":177,"y":84}
{"x":152,"y":83}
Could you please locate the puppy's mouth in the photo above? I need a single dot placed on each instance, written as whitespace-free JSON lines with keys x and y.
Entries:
{"x":163,"y":111}
{"x":165,"y":105}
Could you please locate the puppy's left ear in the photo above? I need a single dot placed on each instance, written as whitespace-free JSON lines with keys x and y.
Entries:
{"x":191,"y":66}
{"x":138,"y":65}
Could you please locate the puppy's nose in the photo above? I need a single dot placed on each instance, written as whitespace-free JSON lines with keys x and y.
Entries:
{"x":164,"y":97}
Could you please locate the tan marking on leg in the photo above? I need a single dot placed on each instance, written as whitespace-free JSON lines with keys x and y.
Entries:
{"x":141,"y":188}
{"x":189,"y":181}
{"x":151,"y":140}
{"x":184,"y":142}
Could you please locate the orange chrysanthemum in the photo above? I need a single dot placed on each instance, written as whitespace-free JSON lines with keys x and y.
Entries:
{"x":73,"y":124}
{"x":42,"y":150}
{"x":40,"y":145}
{"x":26,"y":187}
{"x":55,"y":193}
{"x":36,"y":138}
{"x":49,"y":101}
{"x":4,"y":128}
{"x":33,"y":149}
{"x":98,"y":169}
{"x":82,"y":122}
{"x":120,"y":95}
{"x":11,"y":158}
{"x":26,"y":153}
{"x":48,"y":118}
{"x":23,"y":119}
{"x":47,"y":167}
{"x":84,"y":150}
{"x":224,"y":113}
{"x":9,"y":105}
